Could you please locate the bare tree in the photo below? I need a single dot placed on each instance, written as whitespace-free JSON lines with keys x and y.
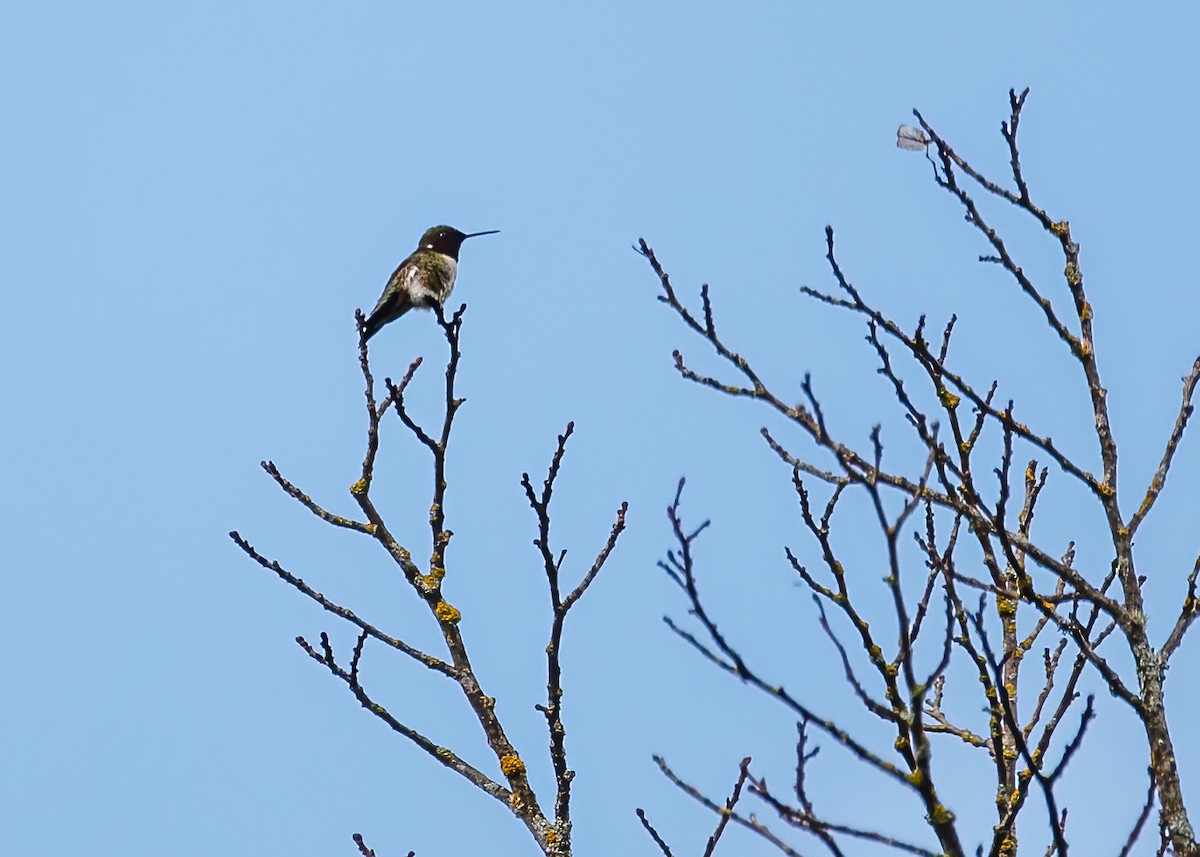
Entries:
{"x":549,"y":822}
{"x":963,"y":514}
{"x":990,"y":590}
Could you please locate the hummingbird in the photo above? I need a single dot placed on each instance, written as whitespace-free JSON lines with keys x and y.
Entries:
{"x":424,"y":279}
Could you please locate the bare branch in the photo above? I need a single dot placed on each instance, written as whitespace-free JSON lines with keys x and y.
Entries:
{"x":658,"y":840}
{"x":435,"y":664}
{"x":730,"y":803}
{"x":750,"y":823}
{"x":559,"y":606}
{"x":1138,"y":825}
{"x":444,"y":755}
{"x":308,"y":503}
{"x":1187,"y":615}
{"x":1160,"y":475}
{"x":367,"y":852}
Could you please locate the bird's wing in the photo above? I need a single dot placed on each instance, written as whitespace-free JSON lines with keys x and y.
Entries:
{"x":395,"y":300}
{"x":396,"y":292}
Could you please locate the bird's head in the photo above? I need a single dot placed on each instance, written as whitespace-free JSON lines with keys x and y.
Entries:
{"x":447,"y":239}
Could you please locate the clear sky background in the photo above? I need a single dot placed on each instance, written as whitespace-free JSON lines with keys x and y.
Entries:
{"x":198,"y":196}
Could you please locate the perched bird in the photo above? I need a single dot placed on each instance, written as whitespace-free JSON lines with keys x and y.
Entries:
{"x":424,"y":279}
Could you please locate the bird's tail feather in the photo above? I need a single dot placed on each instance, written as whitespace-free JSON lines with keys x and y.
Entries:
{"x":382,"y":316}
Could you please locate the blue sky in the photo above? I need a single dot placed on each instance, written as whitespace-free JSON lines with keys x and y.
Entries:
{"x":199,"y":196}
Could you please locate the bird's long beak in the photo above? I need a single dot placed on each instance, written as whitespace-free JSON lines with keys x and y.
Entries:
{"x":477,"y":234}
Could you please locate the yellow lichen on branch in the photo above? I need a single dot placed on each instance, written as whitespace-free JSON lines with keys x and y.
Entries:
{"x":512,"y":766}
